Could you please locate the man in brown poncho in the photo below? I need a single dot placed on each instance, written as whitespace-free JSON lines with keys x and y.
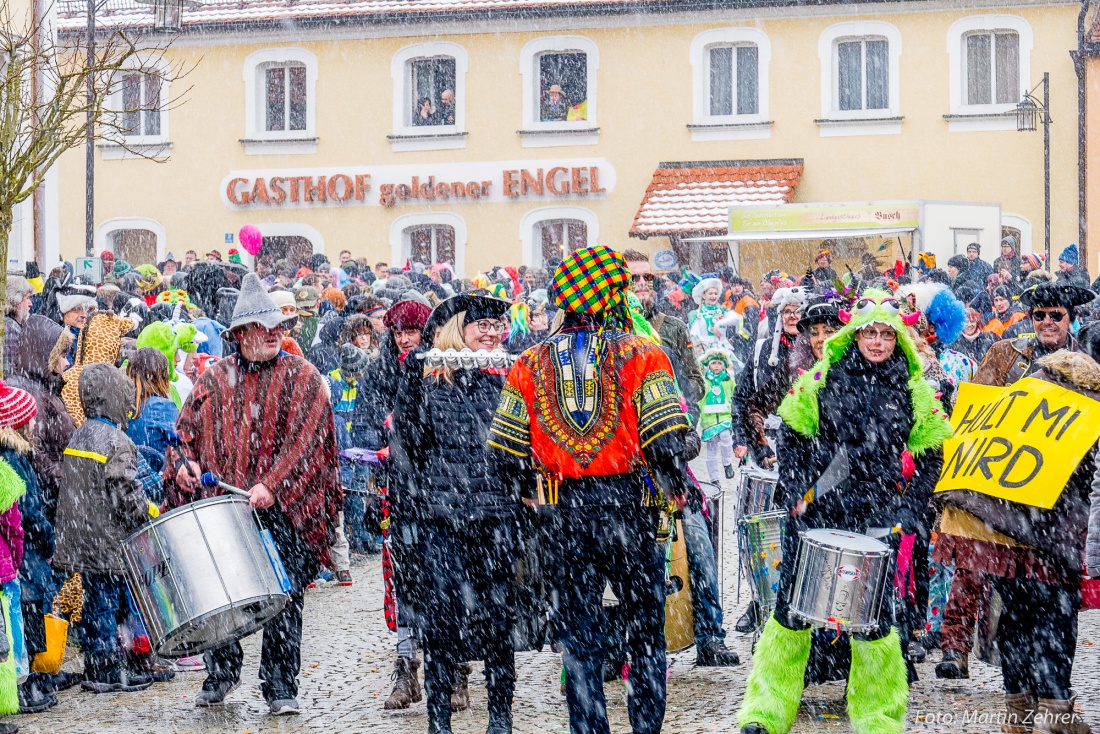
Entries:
{"x":261,"y":420}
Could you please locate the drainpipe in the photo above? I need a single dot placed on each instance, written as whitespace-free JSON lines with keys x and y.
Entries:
{"x":1079,"y":66}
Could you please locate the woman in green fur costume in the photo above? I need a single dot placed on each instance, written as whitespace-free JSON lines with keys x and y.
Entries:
{"x":866,"y":397}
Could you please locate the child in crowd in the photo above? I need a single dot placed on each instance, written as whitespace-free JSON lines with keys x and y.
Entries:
{"x":36,"y":583}
{"x":17,"y":408}
{"x":716,"y":406}
{"x":102,"y":504}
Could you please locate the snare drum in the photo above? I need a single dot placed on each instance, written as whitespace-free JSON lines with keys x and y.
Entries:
{"x":840,"y":580}
{"x":756,"y":492}
{"x":762,"y":541}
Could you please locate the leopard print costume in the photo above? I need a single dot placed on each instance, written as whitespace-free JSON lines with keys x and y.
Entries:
{"x":100,"y":341}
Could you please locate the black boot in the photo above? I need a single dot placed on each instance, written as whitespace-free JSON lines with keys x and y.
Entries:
{"x":714,"y":654}
{"x":36,"y":694}
{"x":750,"y":621}
{"x":729,"y":471}
{"x":954,"y":666}
{"x":753,"y":729}
{"x":612,"y":670}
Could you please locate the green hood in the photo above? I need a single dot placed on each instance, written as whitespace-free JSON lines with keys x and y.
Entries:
{"x":800,"y":409}
{"x":12,"y":486}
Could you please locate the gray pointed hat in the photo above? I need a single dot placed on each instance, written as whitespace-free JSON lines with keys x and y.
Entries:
{"x":254,"y":306}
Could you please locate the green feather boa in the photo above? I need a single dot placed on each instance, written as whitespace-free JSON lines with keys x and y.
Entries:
{"x":800,"y":409}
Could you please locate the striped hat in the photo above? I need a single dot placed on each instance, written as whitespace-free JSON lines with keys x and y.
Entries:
{"x":591,"y":281}
{"x":16,"y":406}
{"x":1034,"y":261}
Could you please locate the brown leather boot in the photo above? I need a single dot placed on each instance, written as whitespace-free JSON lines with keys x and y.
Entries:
{"x":460,"y":696}
{"x":1019,"y":713}
{"x":1059,"y":717}
{"x":406,"y":686}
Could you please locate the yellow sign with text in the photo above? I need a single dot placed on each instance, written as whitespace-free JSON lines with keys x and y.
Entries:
{"x":1020,"y":443}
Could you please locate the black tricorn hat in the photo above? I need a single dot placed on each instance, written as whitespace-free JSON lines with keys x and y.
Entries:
{"x":1056,"y":294}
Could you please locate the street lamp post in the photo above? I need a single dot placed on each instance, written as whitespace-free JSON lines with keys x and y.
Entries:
{"x":1027,"y":116}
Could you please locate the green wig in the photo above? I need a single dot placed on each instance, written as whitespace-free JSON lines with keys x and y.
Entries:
{"x":800,"y":409}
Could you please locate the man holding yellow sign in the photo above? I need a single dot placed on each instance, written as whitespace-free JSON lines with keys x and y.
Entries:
{"x":1015,"y":484}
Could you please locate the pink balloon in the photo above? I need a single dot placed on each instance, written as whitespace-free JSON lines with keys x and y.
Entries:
{"x":250,"y":239}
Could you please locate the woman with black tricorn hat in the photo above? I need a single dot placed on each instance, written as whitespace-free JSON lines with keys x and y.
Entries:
{"x":455,"y":533}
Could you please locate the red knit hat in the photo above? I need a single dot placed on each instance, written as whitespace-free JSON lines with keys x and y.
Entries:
{"x":16,"y":406}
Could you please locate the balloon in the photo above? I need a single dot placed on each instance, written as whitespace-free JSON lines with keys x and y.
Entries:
{"x":250,"y":239}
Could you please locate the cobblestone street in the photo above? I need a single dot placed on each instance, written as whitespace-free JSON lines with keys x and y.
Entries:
{"x":347,"y":657}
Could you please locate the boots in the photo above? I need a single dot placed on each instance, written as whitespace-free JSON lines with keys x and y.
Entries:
{"x":460,"y":696}
{"x":1019,"y":713}
{"x":406,"y":686}
{"x":105,"y":673}
{"x":774,"y":686}
{"x":954,"y":666}
{"x":36,"y":694}
{"x":878,"y":688}
{"x":750,"y":621}
{"x":1059,"y":717}
{"x":500,"y":720}
{"x":714,"y":654}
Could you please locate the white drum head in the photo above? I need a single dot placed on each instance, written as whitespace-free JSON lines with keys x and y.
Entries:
{"x":844,"y":540}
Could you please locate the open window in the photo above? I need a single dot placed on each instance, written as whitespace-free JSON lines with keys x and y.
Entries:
{"x":429,"y":97}
{"x":559,"y":91}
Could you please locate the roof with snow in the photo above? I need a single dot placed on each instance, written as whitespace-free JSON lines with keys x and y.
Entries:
{"x":72,"y":14}
{"x":696,"y":196}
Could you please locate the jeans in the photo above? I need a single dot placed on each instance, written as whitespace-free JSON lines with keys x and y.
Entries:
{"x":280,"y":656}
{"x":616,"y":546}
{"x":1037,"y":636}
{"x":724,"y":442}
{"x":703,"y":572}
{"x":104,"y":601}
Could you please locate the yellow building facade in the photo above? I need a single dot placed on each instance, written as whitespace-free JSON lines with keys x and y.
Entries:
{"x":300,"y":119}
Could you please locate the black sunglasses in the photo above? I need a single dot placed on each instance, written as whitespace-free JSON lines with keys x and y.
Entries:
{"x":1041,"y":315}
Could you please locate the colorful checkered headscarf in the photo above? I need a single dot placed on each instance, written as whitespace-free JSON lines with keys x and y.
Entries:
{"x":592,"y":281}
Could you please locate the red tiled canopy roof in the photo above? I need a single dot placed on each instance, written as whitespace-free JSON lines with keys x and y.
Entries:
{"x":696,"y":196}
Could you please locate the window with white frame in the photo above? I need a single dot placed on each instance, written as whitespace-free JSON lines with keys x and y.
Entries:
{"x":281,"y":100}
{"x":733,"y":80}
{"x":140,"y":103}
{"x":730,"y":84}
{"x":429,"y":238}
{"x":862,"y":74}
{"x":989,"y":59}
{"x":429,"y":96}
{"x":559,"y":85}
{"x":992,"y":67}
{"x":860,"y":78}
{"x":559,"y":237}
{"x":286,"y":99}
{"x":432,"y":82}
{"x":430,"y":244}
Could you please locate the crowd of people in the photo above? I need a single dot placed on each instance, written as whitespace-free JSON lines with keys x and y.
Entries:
{"x":517,"y":443}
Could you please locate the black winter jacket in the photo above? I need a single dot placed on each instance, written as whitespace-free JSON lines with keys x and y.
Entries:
{"x":866,"y":408}
{"x":375,"y":397}
{"x":438,"y":446}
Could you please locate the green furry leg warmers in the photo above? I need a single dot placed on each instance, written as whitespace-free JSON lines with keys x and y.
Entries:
{"x":878,"y":689}
{"x":774,"y":688}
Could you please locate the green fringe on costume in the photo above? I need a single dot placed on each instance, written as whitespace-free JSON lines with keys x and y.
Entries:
{"x":878,"y":688}
{"x":773,"y":690}
{"x":800,"y":409}
{"x":9,"y":692}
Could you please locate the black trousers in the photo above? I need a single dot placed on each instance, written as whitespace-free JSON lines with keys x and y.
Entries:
{"x":1037,"y":636}
{"x":616,"y":546}
{"x":280,"y":656}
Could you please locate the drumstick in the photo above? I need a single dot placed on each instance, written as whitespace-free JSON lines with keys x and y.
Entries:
{"x":209,"y":480}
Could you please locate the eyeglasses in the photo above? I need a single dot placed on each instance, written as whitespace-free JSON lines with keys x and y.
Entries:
{"x":647,"y":277}
{"x":489,"y":325}
{"x":886,"y":335}
{"x":1053,"y":315}
{"x":789,"y":314}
